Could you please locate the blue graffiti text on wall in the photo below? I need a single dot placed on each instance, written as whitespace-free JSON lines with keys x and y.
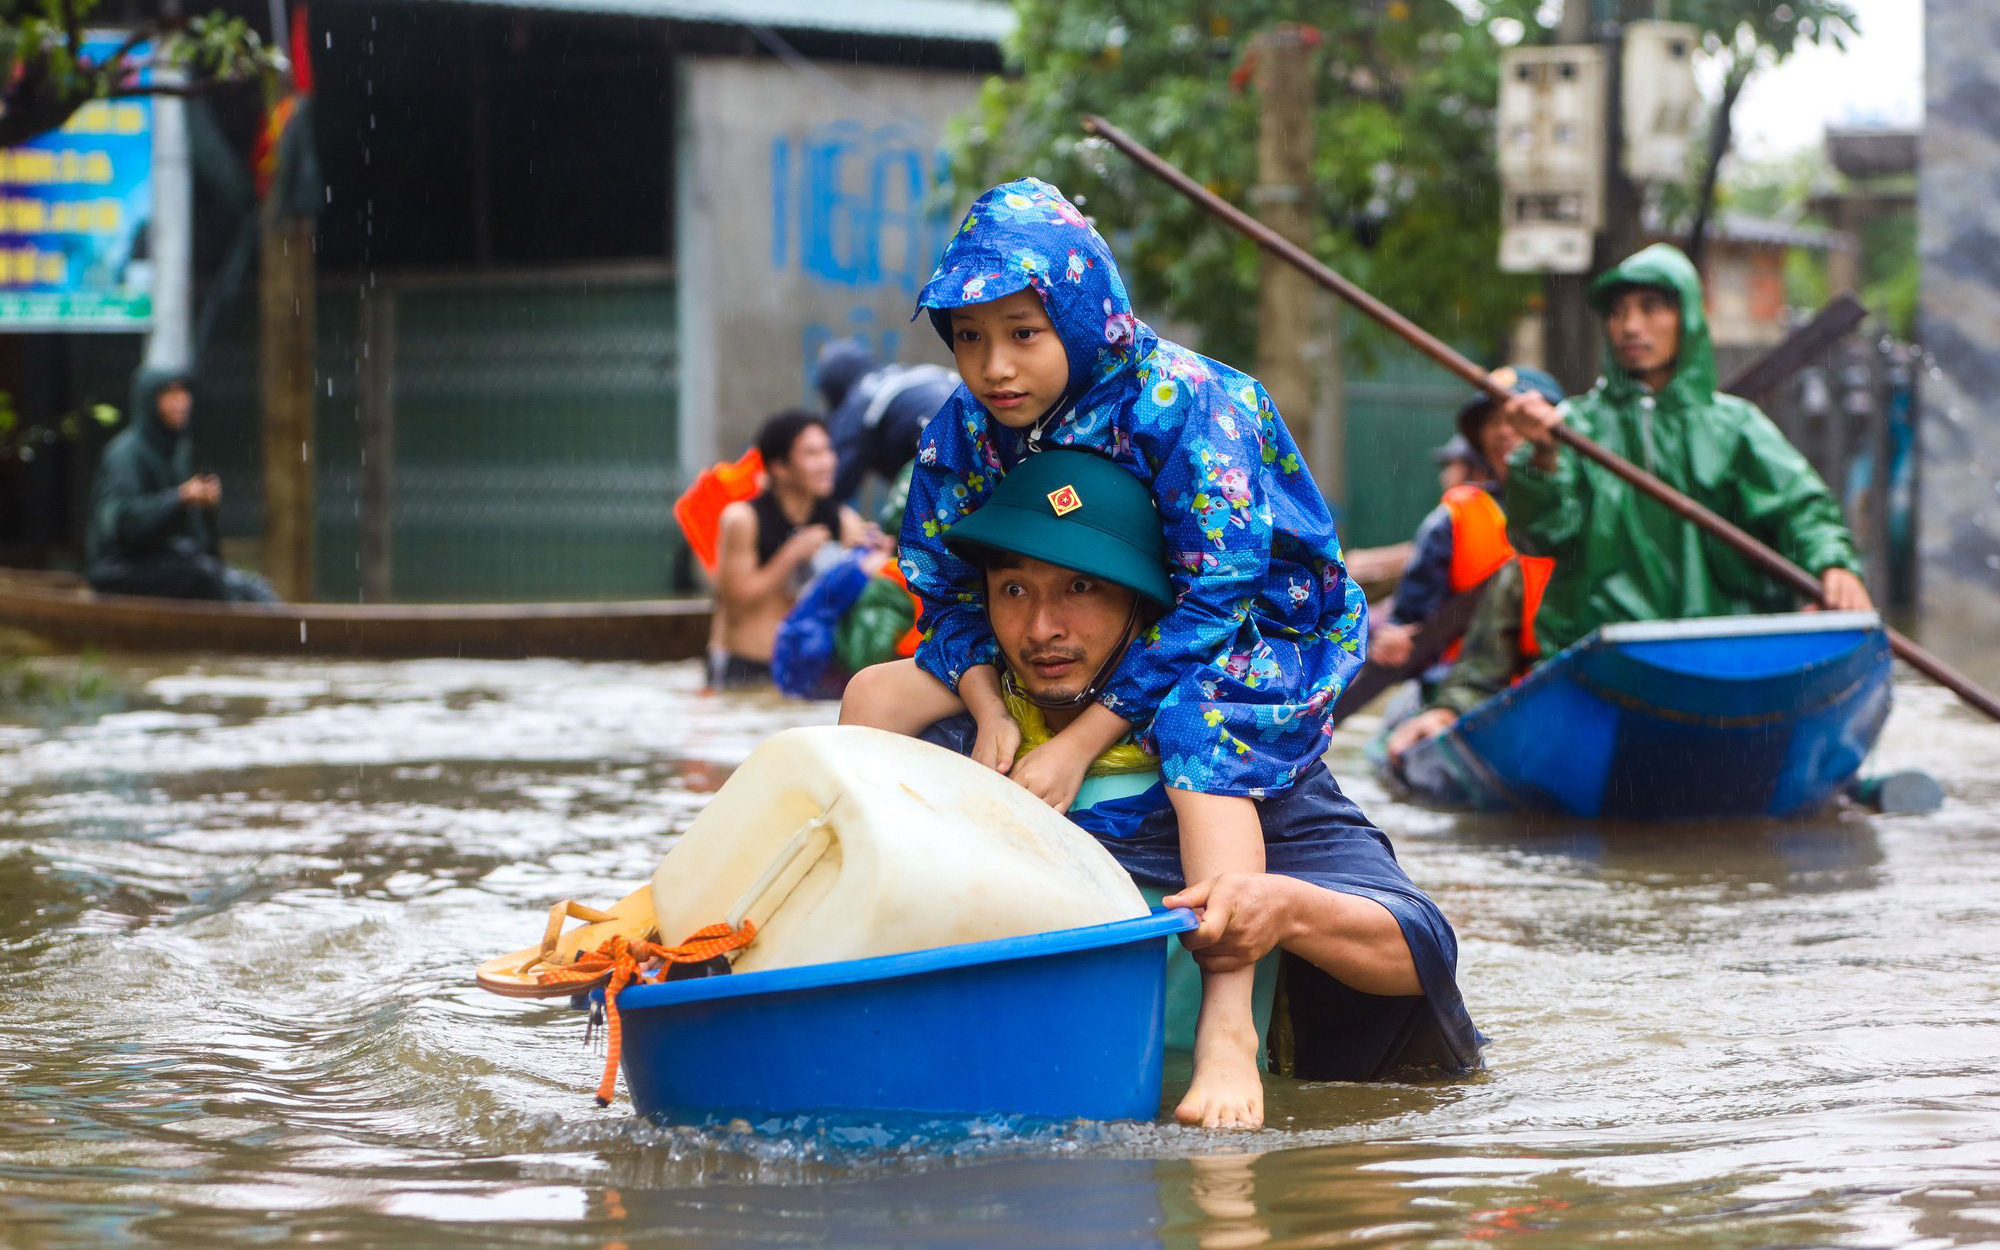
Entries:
{"x":857,"y":207}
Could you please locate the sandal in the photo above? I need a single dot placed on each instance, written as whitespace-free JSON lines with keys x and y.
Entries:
{"x":518,"y":974}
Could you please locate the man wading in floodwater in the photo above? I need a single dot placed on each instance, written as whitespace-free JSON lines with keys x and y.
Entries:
{"x":1356,"y":965}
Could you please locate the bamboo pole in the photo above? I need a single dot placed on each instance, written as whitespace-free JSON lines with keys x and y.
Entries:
{"x":1787,"y":574}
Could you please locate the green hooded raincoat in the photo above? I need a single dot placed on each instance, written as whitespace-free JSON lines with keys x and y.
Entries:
{"x":1623,"y":557}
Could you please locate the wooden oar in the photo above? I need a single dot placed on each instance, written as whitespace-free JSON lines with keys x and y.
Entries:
{"x":1787,"y":574}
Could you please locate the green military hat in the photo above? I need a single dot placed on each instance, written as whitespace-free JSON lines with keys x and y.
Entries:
{"x":1076,"y":510}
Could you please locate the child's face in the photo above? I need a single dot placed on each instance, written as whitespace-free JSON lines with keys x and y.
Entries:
{"x":1010,"y":357}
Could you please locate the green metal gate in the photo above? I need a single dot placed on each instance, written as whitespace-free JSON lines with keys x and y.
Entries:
{"x":1398,"y":410}
{"x":534,"y":436}
{"x":528,"y":423}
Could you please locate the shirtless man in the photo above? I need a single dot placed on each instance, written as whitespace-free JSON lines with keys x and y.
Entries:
{"x":767,"y":543}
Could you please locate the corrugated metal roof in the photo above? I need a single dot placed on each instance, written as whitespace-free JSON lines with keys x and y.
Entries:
{"x":1747,"y":228}
{"x":1737,"y":226}
{"x":966,"y":21}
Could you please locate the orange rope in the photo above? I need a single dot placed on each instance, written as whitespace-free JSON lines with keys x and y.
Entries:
{"x":624,"y":958}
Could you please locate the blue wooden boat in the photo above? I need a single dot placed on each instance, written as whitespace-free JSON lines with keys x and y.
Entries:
{"x":1673,"y":720}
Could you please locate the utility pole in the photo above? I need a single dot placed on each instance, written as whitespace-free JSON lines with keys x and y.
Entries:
{"x":171,"y":233}
{"x":1569,"y":332}
{"x":1296,"y":329}
{"x":287,"y":335}
{"x":1622,"y":199}
{"x":285,"y":300}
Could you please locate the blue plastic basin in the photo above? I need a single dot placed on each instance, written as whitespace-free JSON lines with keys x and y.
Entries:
{"x":1067,"y":1025}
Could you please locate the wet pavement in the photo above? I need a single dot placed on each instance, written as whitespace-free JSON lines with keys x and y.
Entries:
{"x":239,"y":903}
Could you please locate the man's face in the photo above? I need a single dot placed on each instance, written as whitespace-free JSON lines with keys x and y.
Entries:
{"x":1644,"y":326}
{"x":1010,"y":357}
{"x":811,"y":465}
{"x":176,"y":405}
{"x":1056,"y":626}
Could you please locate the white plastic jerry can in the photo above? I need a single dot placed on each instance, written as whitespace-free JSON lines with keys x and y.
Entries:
{"x":845,"y":843}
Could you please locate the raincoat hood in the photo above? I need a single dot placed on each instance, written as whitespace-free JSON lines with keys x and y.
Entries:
{"x":147,"y":383}
{"x":1662,"y":265}
{"x":841,"y":364}
{"x":1024,"y":235}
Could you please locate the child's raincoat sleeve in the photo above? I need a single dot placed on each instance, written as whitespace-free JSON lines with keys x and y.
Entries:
{"x":1267,"y":629}
{"x":954,"y":474}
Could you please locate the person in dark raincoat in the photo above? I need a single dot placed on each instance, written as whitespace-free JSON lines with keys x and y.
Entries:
{"x":1622,"y":557}
{"x":152,"y":524}
{"x":874,"y":412}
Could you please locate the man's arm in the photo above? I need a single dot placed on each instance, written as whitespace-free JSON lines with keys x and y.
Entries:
{"x":1485,"y":666}
{"x":1784,"y":502}
{"x":1354,"y":940}
{"x":133,"y":515}
{"x":739,"y":580}
{"x":855,"y":532}
{"x":1547,"y":497}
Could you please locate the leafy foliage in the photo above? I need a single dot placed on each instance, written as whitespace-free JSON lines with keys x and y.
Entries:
{"x":1758,"y":33}
{"x":1405,"y":184}
{"x":47,"y":77}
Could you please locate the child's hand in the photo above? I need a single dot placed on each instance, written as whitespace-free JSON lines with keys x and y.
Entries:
{"x":1053,"y":772}
{"x":997,"y":741}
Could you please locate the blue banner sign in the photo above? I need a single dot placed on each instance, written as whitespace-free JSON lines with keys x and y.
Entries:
{"x":74,"y":205}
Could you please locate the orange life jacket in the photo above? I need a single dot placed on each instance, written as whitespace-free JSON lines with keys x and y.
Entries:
{"x":1479,"y":545}
{"x":699,"y":509}
{"x":906,"y":646}
{"x":1479,"y":548}
{"x":1535,"y":572}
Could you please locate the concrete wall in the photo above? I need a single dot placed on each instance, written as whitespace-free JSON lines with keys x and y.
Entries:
{"x":806,"y":210}
{"x":1958,"y":206}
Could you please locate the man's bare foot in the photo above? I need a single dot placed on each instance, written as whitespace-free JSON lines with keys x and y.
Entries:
{"x":1227,"y":1090}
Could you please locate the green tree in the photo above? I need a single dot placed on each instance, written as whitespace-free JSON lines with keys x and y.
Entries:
{"x":1406,"y":186}
{"x":1750,"y":35}
{"x":47,"y":77}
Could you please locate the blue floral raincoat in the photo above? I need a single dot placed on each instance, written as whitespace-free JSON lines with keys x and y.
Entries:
{"x":1230,"y":688}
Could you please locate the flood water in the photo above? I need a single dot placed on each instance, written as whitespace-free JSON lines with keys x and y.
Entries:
{"x":239,"y":905}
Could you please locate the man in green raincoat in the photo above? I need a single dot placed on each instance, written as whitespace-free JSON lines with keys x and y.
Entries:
{"x":1624,"y":557}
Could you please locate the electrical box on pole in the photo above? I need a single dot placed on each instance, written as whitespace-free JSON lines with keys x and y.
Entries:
{"x":1551,"y":141}
{"x":1659,"y":100}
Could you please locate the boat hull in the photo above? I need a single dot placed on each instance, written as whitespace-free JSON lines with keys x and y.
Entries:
{"x":1674,"y":720}
{"x":665,"y":629}
{"x":60,"y":610}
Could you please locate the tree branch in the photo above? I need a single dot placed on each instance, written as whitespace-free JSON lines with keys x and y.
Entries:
{"x":72,"y":30}
{"x":179,"y":90}
{"x":1718,"y":147}
{"x":140,"y":35}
